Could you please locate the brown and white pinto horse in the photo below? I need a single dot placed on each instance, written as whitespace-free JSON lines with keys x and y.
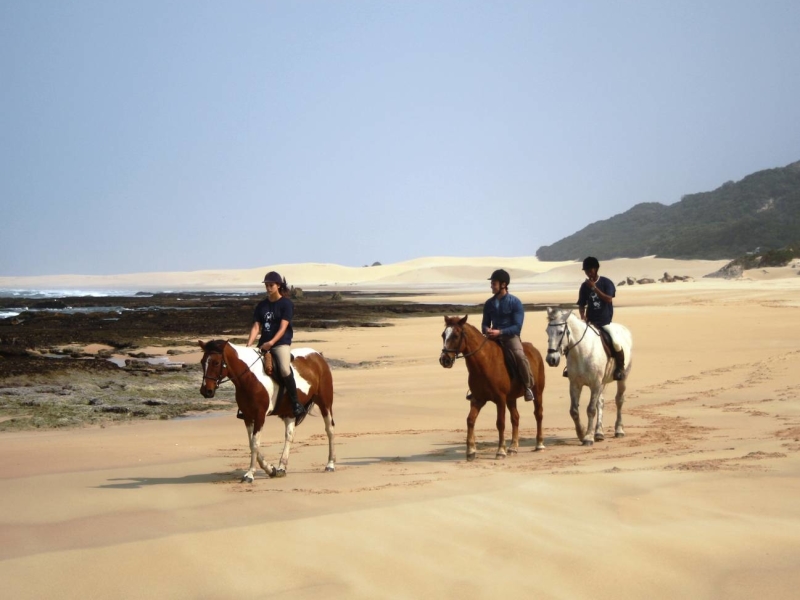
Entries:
{"x":257,"y":394}
{"x":489,"y":381}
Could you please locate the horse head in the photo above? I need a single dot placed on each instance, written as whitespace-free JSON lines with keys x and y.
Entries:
{"x":452,"y":340}
{"x":557,"y":334}
{"x":214,"y":367}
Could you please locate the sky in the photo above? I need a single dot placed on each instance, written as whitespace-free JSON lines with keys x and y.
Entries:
{"x":142,"y":136}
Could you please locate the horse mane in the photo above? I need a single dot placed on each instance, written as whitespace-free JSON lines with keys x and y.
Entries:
{"x":216,"y":345}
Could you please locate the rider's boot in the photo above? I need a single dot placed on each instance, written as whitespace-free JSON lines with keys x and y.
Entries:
{"x":469,"y":395}
{"x":298,"y":410}
{"x":619,"y":369}
{"x":565,"y":374}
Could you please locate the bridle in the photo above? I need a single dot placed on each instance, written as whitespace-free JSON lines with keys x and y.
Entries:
{"x":220,"y":380}
{"x":560,"y":347}
{"x":457,"y":353}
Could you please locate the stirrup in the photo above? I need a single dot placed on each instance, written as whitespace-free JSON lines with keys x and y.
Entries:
{"x":528,"y":394}
{"x":239,"y":414}
{"x":469,"y":395}
{"x":565,"y":374}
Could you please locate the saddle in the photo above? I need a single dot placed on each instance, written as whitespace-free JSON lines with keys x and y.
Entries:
{"x":608,"y":343}
{"x":269,"y":363}
{"x":511,"y":364}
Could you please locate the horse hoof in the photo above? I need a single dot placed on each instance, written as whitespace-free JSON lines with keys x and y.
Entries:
{"x":599,"y":437}
{"x":499,"y":456}
{"x":539,"y":448}
{"x":620,"y":434}
{"x":277,"y":472}
{"x":587,"y":443}
{"x":512,"y":450}
{"x":247,"y":478}
{"x":471,"y":457}
{"x":329,"y":469}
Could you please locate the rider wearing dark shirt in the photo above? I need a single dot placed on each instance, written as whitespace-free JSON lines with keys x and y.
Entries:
{"x":596,"y":304}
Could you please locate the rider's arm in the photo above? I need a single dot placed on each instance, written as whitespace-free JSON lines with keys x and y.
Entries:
{"x":255,"y":331}
{"x":517,"y":318}
{"x":487,"y":318}
{"x":281,"y":330}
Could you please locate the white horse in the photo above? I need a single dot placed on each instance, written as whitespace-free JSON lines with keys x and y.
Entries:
{"x":588,"y":365}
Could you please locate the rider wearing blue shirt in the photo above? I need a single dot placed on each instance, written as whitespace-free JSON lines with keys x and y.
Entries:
{"x":502,"y":321}
{"x":596,"y":303}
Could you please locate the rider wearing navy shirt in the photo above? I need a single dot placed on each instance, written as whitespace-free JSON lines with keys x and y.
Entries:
{"x":272,"y":324}
{"x":596,"y":303}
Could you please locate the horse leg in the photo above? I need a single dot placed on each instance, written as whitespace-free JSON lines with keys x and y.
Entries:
{"x":287,"y":445}
{"x":591,"y":412}
{"x":513,"y":447}
{"x":538,"y":412}
{"x":574,"y":407}
{"x":474,"y":410}
{"x":501,"y":429}
{"x":331,"y":466}
{"x":619,"y":431}
{"x":252,"y":441}
{"x":599,"y":436}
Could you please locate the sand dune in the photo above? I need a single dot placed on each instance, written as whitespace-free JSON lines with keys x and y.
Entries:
{"x":699,"y":500}
{"x":423,"y":272}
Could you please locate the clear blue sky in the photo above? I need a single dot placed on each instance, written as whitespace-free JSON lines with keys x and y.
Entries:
{"x":173,"y":136}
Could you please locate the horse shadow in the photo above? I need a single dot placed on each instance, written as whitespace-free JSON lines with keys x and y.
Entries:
{"x":448,"y":452}
{"x":133,"y":483}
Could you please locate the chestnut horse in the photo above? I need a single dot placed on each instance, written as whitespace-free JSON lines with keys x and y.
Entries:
{"x":489,"y":381}
{"x":257,"y":395}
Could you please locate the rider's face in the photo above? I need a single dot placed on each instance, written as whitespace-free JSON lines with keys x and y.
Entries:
{"x":496,"y":286}
{"x":591,"y":273}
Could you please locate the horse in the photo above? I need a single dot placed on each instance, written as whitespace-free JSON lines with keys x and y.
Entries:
{"x":489,"y":380}
{"x":588,"y":365}
{"x":257,"y":395}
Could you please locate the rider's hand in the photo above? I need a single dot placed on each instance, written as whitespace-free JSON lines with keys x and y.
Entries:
{"x":266,"y":346}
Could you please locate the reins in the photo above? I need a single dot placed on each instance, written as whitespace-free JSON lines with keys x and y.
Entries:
{"x":221,"y":380}
{"x":458,"y":354}
{"x":566,"y":332}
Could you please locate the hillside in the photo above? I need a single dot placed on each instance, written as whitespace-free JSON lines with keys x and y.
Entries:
{"x":760,"y":211}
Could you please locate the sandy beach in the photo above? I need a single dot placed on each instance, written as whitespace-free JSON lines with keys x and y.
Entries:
{"x":699,"y":500}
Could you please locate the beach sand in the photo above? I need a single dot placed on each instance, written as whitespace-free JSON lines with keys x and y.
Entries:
{"x":699,"y":500}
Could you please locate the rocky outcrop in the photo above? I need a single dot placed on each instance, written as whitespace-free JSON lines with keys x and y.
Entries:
{"x":729,"y":271}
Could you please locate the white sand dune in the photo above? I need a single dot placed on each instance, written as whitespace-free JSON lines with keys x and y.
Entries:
{"x":456,"y":271}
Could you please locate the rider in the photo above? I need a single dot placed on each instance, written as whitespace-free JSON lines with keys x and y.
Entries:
{"x":272,"y":325}
{"x":596,"y":303}
{"x":502,"y":321}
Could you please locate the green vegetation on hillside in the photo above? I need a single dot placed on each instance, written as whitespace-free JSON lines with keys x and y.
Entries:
{"x":760,"y":211}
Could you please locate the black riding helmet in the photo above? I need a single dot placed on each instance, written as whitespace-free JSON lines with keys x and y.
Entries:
{"x":501,"y":275}
{"x":590,"y":262}
{"x":273,"y":277}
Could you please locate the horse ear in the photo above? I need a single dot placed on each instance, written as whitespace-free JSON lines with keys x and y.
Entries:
{"x":201,"y":344}
{"x":550,"y":310}
{"x":464,"y":320}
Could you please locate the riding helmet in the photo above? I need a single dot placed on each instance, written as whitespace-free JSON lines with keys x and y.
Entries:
{"x":590,"y":262}
{"x":273,"y":277}
{"x":501,"y":275}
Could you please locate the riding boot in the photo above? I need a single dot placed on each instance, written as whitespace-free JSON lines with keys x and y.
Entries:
{"x":619,"y":369}
{"x":565,"y":374}
{"x":298,"y":410}
{"x":469,"y":395}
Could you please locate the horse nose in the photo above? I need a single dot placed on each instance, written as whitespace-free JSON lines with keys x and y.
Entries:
{"x":207,"y":393}
{"x":553,"y":359}
{"x":445,"y":360}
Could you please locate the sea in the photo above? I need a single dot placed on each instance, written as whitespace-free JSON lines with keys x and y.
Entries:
{"x":24,"y":296}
